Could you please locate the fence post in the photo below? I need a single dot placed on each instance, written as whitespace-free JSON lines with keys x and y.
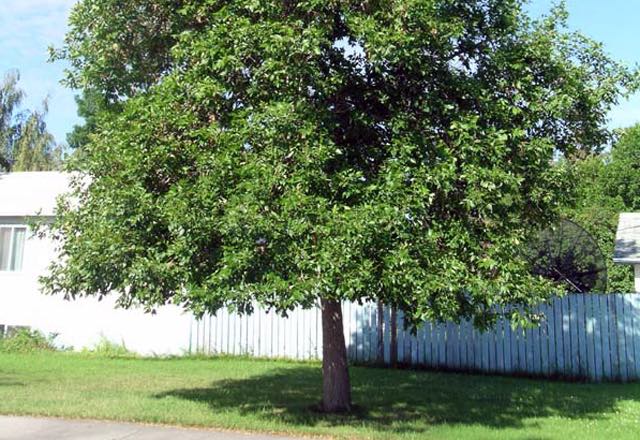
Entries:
{"x":380,"y":333}
{"x":394,"y":337}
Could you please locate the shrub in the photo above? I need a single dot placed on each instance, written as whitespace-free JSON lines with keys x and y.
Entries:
{"x":25,"y":340}
{"x":107,"y":348}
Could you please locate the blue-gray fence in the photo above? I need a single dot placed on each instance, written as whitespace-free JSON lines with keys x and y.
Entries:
{"x":595,"y":337}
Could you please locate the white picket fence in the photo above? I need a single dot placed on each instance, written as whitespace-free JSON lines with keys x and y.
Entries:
{"x":594,"y":337}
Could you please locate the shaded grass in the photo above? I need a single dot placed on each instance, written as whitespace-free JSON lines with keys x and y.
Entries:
{"x":276,"y":396}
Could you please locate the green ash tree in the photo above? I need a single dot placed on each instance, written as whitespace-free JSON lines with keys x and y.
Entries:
{"x":295,"y":153}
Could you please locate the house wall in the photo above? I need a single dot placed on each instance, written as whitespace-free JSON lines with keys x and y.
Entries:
{"x":82,"y":323}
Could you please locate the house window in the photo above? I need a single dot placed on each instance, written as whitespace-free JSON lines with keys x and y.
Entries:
{"x":12,"y":240}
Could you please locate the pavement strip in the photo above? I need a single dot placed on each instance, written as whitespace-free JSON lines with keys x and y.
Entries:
{"x":35,"y":428}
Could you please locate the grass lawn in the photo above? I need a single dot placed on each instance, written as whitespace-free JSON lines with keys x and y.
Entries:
{"x":275,"y":396}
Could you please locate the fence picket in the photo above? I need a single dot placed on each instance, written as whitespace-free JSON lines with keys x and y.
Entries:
{"x":566,"y":336}
{"x":477,"y":349}
{"x":413,"y":348}
{"x":513,"y":348}
{"x":635,"y":312}
{"x":551,"y":335}
{"x":498,"y":356}
{"x":628,"y":324}
{"x":357,"y":332}
{"x":452,"y":352}
{"x":588,"y":336}
{"x":428,"y":355}
{"x":486,"y":350}
{"x":372,"y":338}
{"x":622,"y":349}
{"x":465,"y":339}
{"x":582,"y":336}
{"x":558,"y":336}
{"x":537,"y":347}
{"x":408,"y":346}
{"x":400,"y":340}
{"x":613,"y":340}
{"x":442,"y":345}
{"x":529,"y":354}
{"x":544,"y":340}
{"x":575,"y":342}
{"x":607,"y":368}
{"x":387,"y":334}
{"x":597,"y":337}
{"x":420,"y":358}
{"x":522,"y":349}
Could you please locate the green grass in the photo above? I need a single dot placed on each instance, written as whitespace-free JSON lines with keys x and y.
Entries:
{"x":276,"y":396}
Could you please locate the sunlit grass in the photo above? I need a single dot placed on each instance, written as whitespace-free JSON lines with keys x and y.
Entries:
{"x":278,"y":396}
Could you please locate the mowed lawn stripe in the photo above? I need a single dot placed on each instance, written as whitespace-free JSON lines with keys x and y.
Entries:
{"x":279,"y":396}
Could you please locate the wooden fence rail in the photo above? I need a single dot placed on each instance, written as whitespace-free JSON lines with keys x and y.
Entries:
{"x":594,"y":337}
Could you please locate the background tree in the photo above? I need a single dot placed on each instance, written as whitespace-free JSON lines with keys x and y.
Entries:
{"x":608,"y":184}
{"x":621,"y":177}
{"x":90,"y":105}
{"x":303,"y":152}
{"x":25,"y":143}
{"x":10,"y":99}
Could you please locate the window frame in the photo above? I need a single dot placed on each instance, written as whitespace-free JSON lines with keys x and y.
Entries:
{"x":12,"y":236}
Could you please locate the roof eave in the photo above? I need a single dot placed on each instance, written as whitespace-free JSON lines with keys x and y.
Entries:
{"x":626,"y":260}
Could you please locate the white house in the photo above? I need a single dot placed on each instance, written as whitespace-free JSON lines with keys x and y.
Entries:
{"x":81,"y":323}
{"x":627,"y":249}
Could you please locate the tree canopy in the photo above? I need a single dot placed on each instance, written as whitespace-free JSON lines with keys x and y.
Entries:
{"x":25,"y":143}
{"x":290,"y":151}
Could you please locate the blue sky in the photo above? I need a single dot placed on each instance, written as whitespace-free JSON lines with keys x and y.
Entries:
{"x":28,"y":27}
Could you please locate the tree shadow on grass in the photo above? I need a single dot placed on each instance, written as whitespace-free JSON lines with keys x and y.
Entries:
{"x":8,"y":380}
{"x":11,"y":383}
{"x":410,"y":401}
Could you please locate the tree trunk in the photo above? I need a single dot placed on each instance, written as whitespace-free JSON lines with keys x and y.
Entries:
{"x":336,"y":388}
{"x":380,"y":329}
